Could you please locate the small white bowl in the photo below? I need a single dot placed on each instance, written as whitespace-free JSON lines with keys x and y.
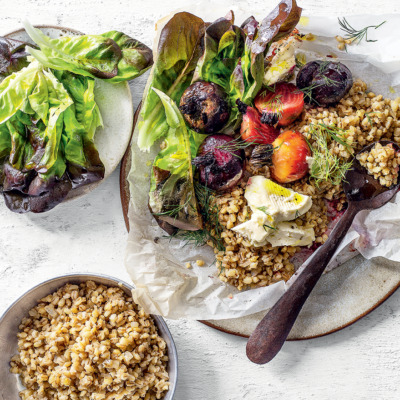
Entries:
{"x":11,"y":319}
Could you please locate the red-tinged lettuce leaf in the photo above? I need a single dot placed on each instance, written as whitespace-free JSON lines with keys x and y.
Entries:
{"x":13,"y":56}
{"x":223,"y":46}
{"x":179,"y":49}
{"x":136,"y":56}
{"x":278,"y":24}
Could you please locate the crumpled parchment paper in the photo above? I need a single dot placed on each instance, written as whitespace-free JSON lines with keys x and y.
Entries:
{"x":156,"y":263}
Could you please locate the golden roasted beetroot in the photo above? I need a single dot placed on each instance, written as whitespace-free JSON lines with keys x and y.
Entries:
{"x":205,"y":107}
{"x":289,"y":160}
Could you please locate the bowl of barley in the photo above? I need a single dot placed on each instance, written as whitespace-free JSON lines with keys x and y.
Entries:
{"x":82,"y":337}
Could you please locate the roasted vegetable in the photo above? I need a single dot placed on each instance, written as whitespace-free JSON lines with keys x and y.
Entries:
{"x":252,"y":130}
{"x":219,"y":162}
{"x":324,"y":83}
{"x":204,"y":106}
{"x":234,"y":57}
{"x":261,"y":155}
{"x":113,"y":55}
{"x":172,"y":194}
{"x":289,"y":159}
{"x":280,"y":106}
{"x":13,"y":56}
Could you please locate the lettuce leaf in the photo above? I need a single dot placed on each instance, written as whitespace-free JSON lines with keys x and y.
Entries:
{"x":47,"y":136}
{"x":113,"y":55}
{"x":172,"y":194}
{"x":278,"y":24}
{"x":80,"y":123}
{"x":179,"y":49}
{"x":13,"y":56}
{"x":136,"y":57}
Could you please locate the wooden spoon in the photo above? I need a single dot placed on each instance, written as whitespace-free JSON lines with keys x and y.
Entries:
{"x":363,"y":192}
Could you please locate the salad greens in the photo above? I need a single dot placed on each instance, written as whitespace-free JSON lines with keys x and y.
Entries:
{"x":49,"y":114}
{"x":13,"y":56}
{"x":190,"y":50}
{"x":172,"y":192}
{"x":179,"y":49}
{"x":112,"y":55}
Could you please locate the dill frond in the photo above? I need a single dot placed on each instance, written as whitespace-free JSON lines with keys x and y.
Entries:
{"x":327,"y":166}
{"x":235,"y":145}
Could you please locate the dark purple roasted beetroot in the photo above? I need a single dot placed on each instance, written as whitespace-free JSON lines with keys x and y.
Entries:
{"x":219,"y":163}
{"x":205,"y":107}
{"x":324,"y":83}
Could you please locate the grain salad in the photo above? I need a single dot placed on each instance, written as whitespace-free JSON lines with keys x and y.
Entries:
{"x":90,"y":342}
{"x":382,"y":162}
{"x":363,"y":117}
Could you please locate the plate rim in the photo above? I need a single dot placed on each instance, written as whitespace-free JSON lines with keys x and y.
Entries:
{"x":79,"y":192}
{"x":125,"y":200}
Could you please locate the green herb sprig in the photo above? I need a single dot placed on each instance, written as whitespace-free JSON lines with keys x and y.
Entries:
{"x":235,"y":145}
{"x":327,"y":166}
{"x":357,"y":35}
{"x":209,"y":211}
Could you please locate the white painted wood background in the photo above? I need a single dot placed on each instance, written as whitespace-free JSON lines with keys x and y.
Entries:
{"x":88,"y":234}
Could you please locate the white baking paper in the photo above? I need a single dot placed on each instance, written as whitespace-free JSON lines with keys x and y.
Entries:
{"x":156,"y":264}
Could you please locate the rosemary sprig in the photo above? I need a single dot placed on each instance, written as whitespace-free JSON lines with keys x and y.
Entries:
{"x":357,"y":35}
{"x":327,"y":166}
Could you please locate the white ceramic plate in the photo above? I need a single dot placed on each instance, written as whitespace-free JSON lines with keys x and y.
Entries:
{"x":115,"y":103}
{"x":340,"y":298}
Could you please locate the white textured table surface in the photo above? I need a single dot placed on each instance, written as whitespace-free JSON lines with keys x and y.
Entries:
{"x":88,"y":234}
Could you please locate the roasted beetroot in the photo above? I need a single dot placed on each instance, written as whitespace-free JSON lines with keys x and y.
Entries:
{"x":324,"y":83}
{"x":252,"y":130}
{"x":219,"y":162}
{"x":205,"y":107}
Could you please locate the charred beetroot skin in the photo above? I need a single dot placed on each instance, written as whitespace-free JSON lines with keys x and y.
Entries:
{"x":220,"y":165}
{"x":324,"y":83}
{"x":254,"y":131}
{"x":205,"y":107}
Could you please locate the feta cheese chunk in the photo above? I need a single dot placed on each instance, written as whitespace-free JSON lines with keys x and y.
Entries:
{"x":280,"y":203}
{"x":272,"y":205}
{"x":280,"y":60}
{"x":257,"y":228}
{"x":290,"y":234}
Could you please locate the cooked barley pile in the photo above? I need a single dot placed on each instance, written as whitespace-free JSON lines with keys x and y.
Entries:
{"x":382,"y":162}
{"x":365,"y":118}
{"x":90,"y":342}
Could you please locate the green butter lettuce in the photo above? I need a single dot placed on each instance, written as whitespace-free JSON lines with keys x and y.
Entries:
{"x":178,"y":51}
{"x":172,"y":194}
{"x":136,"y":57}
{"x":113,"y":55}
{"x":47,"y":130}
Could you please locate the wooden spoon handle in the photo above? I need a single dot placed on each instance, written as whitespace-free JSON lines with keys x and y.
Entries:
{"x":272,"y":331}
